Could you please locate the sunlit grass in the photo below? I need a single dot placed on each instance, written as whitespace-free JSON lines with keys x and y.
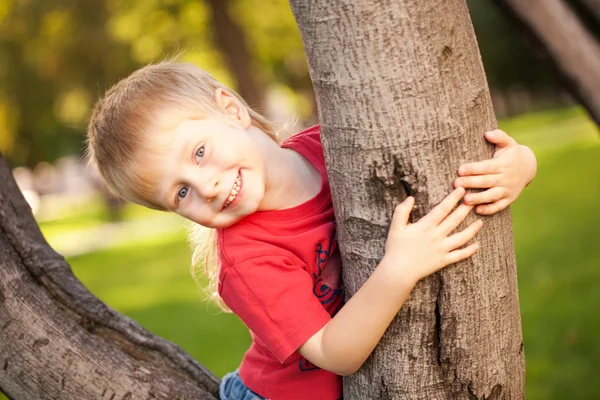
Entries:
{"x":557,"y":228}
{"x":150,"y":282}
{"x":553,"y":129}
{"x":87,"y":213}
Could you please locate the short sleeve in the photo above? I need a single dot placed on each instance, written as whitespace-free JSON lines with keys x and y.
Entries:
{"x":274,"y":298}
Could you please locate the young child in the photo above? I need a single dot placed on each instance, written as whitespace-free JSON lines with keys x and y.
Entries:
{"x":170,"y":137}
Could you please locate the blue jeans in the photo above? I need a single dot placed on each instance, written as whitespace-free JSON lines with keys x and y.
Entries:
{"x":232,"y":388}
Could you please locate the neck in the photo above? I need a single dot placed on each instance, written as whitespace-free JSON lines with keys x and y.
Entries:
{"x":291,"y":179}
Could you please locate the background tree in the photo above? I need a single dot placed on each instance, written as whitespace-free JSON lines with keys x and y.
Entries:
{"x":403,"y":101}
{"x":561,"y":37}
{"x":589,"y":9}
{"x":231,"y":39}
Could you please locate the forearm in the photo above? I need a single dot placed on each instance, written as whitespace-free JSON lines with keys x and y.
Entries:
{"x":412,"y":251}
{"x":350,"y":337}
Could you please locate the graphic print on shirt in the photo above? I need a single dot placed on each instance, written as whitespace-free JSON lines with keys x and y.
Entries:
{"x":327,"y":283}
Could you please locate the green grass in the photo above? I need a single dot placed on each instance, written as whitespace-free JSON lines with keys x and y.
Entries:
{"x":556,"y":224}
{"x":91,"y":214}
{"x":76,"y":218}
{"x":557,"y":227}
{"x":151,"y":283}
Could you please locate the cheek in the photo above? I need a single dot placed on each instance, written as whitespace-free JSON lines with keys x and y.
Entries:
{"x":197,"y":212}
{"x":257,"y":165}
{"x":256,"y":193}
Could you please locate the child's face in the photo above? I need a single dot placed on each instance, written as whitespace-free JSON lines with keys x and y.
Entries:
{"x":210,"y":172}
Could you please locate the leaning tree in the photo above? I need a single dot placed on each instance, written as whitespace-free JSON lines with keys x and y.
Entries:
{"x":403,"y":101}
{"x":563,"y":40}
{"x":58,"y":341}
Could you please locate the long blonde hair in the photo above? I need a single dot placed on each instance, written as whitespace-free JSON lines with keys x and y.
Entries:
{"x":116,"y":135}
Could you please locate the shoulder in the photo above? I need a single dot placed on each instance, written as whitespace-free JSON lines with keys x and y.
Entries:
{"x":309,"y":136}
{"x":307,"y":143}
{"x":258,"y":273}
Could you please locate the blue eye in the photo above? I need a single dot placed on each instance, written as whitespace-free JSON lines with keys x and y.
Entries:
{"x":182,"y":193}
{"x":200,"y":152}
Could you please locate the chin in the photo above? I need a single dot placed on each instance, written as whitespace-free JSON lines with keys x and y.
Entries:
{"x":225,"y":222}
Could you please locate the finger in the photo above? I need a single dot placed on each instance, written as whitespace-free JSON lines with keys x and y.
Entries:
{"x":402,"y":212}
{"x":493,"y":208}
{"x":499,"y":138}
{"x":441,"y":211}
{"x":461,"y":238}
{"x":454,"y":219}
{"x":477,"y":181}
{"x":461,"y":254}
{"x":479,"y":168}
{"x":489,"y":196}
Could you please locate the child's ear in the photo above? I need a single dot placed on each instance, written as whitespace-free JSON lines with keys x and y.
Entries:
{"x":232,"y":107}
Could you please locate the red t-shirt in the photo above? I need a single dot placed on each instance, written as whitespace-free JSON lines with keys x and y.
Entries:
{"x":281,"y":274}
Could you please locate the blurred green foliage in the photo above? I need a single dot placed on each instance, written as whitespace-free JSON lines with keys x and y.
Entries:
{"x":58,"y":56}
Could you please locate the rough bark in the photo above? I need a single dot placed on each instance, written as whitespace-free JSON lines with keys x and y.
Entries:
{"x":233,"y":43}
{"x":58,"y":341}
{"x":403,"y":101}
{"x":559,"y":36}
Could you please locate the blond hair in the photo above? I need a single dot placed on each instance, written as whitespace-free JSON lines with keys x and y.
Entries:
{"x":116,"y":137}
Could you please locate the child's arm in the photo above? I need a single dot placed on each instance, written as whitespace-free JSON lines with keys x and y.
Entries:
{"x":504,"y":176}
{"x":412,"y":251}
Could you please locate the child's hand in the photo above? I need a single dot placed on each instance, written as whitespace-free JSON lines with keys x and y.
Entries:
{"x":426,"y":246}
{"x":505,"y":175}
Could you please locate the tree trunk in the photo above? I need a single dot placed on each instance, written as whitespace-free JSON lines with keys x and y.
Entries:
{"x":560,"y":37}
{"x":58,"y":341}
{"x":588,"y":13}
{"x":403,"y":101}
{"x":593,"y":6}
{"x":233,"y":43}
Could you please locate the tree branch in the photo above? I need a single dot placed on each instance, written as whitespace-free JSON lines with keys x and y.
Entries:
{"x":59,"y":340}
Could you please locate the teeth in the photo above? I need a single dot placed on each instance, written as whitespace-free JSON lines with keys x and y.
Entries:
{"x":234,"y":190}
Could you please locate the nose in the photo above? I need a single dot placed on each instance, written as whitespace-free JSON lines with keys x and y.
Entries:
{"x":208,"y":185}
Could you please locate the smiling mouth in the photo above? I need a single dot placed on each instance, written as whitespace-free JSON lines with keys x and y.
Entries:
{"x":235,"y":189}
